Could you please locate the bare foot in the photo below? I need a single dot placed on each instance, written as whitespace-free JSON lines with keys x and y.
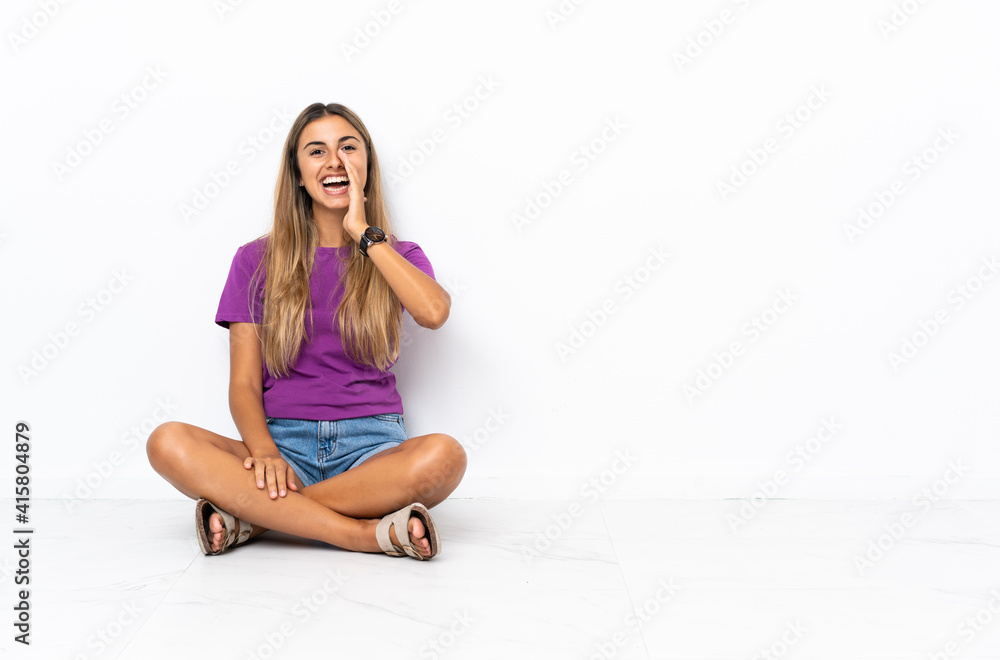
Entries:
{"x":217,"y":531}
{"x":418,"y":536}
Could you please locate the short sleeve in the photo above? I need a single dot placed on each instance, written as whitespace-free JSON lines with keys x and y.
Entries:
{"x":234,"y":305}
{"x":412,"y":253}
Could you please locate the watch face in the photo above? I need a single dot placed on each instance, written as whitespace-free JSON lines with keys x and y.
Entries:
{"x":374,"y":234}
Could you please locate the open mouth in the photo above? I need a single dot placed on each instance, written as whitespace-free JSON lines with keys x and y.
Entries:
{"x":335,"y":185}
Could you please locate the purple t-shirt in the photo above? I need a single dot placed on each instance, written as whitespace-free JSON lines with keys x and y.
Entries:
{"x":323,"y":384}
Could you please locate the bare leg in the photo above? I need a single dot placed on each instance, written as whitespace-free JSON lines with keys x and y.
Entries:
{"x":200,"y":463}
{"x":424,"y":469}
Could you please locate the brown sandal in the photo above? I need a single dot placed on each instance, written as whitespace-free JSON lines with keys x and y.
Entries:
{"x":401,"y":520}
{"x":235,"y":534}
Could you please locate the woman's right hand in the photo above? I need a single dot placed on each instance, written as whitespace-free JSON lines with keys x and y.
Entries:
{"x":272,"y":471}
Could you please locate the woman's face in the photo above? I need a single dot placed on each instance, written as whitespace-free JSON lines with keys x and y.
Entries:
{"x":323,"y":145}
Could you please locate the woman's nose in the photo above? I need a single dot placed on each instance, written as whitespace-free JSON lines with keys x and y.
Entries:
{"x":336,"y":160}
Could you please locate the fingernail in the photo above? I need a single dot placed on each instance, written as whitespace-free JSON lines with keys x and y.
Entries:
{"x":273,"y":494}
{"x":260,"y":484}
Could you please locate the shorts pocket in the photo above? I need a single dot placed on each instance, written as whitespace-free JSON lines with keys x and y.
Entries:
{"x":390,"y":417}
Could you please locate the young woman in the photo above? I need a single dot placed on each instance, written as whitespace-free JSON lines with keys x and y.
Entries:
{"x":314,"y":311}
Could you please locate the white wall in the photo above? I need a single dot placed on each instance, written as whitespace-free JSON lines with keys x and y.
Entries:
{"x":869,"y":101}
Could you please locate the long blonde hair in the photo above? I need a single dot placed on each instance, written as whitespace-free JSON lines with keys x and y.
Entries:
{"x":369,"y":316}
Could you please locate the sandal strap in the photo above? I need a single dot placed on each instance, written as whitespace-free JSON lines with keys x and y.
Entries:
{"x":236,"y":534}
{"x":401,"y":520}
{"x":382,"y":533}
{"x":245,"y":529}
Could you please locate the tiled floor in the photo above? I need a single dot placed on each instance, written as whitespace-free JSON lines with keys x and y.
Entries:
{"x":526,"y":579}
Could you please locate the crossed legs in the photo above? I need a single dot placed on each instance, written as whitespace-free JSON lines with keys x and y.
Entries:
{"x":342,"y":511}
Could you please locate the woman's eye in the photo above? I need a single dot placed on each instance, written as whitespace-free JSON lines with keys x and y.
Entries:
{"x":315,"y":151}
{"x":349,"y":146}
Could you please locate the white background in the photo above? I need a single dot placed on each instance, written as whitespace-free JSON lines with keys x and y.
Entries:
{"x":152,"y":350}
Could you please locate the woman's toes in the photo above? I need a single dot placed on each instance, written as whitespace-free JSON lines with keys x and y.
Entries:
{"x":218,"y":531}
{"x":418,"y":536}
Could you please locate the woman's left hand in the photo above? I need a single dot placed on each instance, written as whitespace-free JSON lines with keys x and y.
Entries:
{"x":354,"y":220}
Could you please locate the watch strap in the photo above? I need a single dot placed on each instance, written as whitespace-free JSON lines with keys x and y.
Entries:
{"x":365,"y":241}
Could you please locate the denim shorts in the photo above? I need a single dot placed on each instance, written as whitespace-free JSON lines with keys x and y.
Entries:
{"x":320,"y":450}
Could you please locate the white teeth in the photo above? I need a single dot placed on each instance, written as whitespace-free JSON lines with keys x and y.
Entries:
{"x":334,"y":179}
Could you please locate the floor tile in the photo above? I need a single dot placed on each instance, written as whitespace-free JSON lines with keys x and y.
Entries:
{"x":529,"y":579}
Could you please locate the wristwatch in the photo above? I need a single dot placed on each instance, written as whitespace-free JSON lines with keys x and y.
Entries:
{"x":371,"y":236}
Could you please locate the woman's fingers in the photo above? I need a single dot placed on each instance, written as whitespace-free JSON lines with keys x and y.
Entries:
{"x":288,"y":477}
{"x":280,"y":469}
{"x":275,"y":473}
{"x":356,"y":211}
{"x":272,"y":488}
{"x":258,"y":469}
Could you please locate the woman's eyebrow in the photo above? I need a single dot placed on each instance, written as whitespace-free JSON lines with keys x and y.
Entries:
{"x":323,"y":144}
